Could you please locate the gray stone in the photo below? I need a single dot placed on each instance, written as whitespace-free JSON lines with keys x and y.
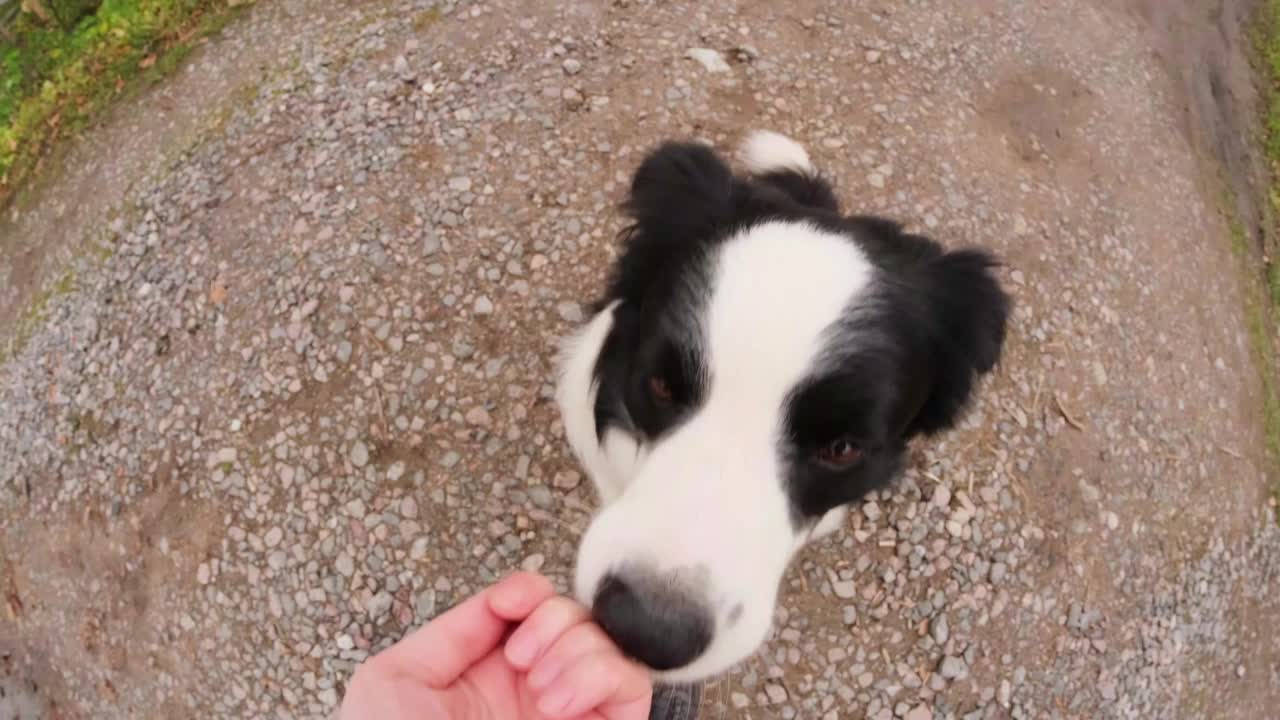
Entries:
{"x":570,"y":312}
{"x":939,"y":629}
{"x":378,"y":605}
{"x":919,"y":712}
{"x":710,"y":60}
{"x":953,"y":668}
{"x":344,"y":565}
{"x":359,"y":454}
{"x":425,"y":605}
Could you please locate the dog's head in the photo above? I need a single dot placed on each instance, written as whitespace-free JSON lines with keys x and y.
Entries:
{"x":758,"y":361}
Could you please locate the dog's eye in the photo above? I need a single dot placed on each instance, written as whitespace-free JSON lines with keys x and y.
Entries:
{"x":660,"y":390}
{"x":840,"y":454}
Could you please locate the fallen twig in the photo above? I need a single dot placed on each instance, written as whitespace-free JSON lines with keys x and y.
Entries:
{"x":1066,"y":415}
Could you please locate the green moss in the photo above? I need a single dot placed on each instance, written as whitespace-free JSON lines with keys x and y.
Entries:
{"x":1269,"y":49}
{"x":96,"y":250}
{"x":1263,"y":298}
{"x":58,"y":75}
{"x":426,"y":19}
{"x":100,"y":252}
{"x":1260,"y":312}
{"x":34,"y":316}
{"x":1259,"y":306}
{"x":217,"y":121}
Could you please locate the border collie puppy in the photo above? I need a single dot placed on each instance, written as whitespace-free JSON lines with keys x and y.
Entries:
{"x":759,"y":361}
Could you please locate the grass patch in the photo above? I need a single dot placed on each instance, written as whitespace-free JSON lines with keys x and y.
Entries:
{"x":58,"y":74}
{"x":1262,"y":304}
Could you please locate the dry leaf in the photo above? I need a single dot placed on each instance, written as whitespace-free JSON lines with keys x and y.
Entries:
{"x":37,"y":7}
{"x":147,"y":61}
{"x":13,"y":605}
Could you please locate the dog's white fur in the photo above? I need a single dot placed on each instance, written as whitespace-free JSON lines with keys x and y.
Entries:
{"x":765,"y":151}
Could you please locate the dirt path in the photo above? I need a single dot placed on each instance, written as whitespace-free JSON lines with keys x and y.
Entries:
{"x":66,"y":215}
{"x":298,"y":401}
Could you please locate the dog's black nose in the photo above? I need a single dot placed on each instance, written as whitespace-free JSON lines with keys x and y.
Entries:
{"x":661,"y":627}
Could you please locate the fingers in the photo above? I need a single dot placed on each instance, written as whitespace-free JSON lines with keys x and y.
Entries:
{"x":602,"y":681}
{"x":541,"y":629}
{"x":440,"y":651}
{"x":518,"y":595}
{"x":582,"y":639}
{"x":575,"y":670}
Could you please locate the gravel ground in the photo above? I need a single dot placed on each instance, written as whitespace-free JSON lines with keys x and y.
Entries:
{"x":299,"y":399}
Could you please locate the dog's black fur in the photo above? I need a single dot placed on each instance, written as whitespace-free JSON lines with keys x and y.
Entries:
{"x":907,"y":362}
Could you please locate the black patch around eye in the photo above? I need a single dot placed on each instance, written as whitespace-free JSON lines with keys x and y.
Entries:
{"x":848,"y":409}
{"x":660,"y":390}
{"x":676,"y":370}
{"x":835,"y":407}
{"x":663,"y":386}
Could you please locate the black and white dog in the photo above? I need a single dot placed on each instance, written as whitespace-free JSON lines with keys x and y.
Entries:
{"x":759,"y":361}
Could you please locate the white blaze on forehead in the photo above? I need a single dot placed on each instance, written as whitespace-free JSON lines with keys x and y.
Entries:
{"x":776,"y":290}
{"x":709,"y":493}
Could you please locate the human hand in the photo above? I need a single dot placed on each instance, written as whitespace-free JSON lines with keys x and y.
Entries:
{"x":556,"y":664}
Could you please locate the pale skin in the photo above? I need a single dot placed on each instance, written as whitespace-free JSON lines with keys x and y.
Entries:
{"x":514,"y":651}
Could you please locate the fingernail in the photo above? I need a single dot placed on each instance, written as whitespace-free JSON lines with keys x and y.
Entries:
{"x":521,"y":649}
{"x":505,"y":598}
{"x":555,"y":702}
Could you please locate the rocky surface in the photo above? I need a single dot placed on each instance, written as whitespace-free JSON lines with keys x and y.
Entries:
{"x":298,"y":400}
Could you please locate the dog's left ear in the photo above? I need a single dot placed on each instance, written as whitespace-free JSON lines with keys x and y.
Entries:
{"x":969,"y":312}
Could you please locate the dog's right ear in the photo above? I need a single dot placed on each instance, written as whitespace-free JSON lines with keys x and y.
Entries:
{"x":681,"y":192}
{"x":681,"y":197}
